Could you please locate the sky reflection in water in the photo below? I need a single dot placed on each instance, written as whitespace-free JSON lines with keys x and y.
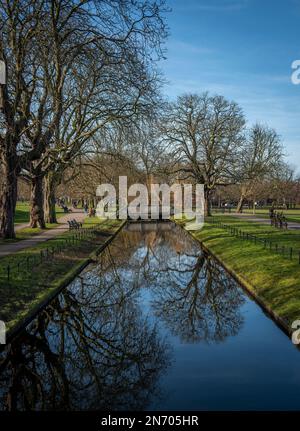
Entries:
{"x":155,"y":324}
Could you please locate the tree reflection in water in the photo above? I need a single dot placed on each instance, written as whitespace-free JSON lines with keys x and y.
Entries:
{"x":199,"y":302}
{"x":93,"y":347}
{"x":192,"y":294}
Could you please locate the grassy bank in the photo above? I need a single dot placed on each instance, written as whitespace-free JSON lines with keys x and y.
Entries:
{"x":273,"y":279}
{"x":37,"y":273}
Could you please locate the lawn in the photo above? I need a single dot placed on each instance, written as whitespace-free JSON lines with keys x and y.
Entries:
{"x":22,"y":212}
{"x":28,"y":232}
{"x":273,"y":278}
{"x":91,"y":221}
{"x":33,"y":276}
{"x":282,"y":237}
{"x":22,"y":216}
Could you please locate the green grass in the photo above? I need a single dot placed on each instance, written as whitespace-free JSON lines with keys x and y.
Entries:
{"x":22,"y":212}
{"x":22,"y":216}
{"x":31,"y":285}
{"x":287,"y":238}
{"x":92,"y":221}
{"x":28,"y":232}
{"x":273,"y":278}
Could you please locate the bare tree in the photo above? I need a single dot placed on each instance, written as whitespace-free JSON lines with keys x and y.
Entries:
{"x":283,"y":187}
{"x":259,"y":159}
{"x":205,"y":133}
{"x":89,"y":62}
{"x":19,"y":26}
{"x":119,"y":80}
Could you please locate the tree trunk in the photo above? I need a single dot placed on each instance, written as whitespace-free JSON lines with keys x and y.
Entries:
{"x":37,"y":200}
{"x":49,"y":199}
{"x":8,"y":198}
{"x":240,"y":205}
{"x":207,"y":203}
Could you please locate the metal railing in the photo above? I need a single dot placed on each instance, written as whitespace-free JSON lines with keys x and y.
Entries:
{"x":74,"y":238}
{"x":285,"y":251}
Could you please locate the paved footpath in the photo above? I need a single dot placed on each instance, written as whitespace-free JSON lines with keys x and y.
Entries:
{"x":257,"y":219}
{"x":9,"y":248}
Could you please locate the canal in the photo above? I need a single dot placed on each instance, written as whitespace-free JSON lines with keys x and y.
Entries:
{"x":154,"y":324}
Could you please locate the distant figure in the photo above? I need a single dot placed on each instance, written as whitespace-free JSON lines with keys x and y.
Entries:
{"x":92,"y":212}
{"x":278,"y":219}
{"x":271,"y":215}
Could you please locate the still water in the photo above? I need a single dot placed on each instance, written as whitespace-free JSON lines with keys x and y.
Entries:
{"x":155,"y":324}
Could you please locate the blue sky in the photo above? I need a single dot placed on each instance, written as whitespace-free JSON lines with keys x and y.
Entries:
{"x":242,"y":49}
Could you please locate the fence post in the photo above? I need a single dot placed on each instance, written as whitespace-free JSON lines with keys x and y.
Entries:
{"x":8,"y":272}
